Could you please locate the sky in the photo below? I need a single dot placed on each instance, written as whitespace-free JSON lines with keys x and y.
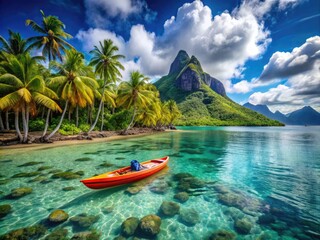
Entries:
{"x":264,"y":52}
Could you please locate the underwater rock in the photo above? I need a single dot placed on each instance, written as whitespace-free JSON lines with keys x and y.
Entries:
{"x":279,"y":226}
{"x":81,"y":173}
{"x":222,"y":235}
{"x":4,"y":210}
{"x":266,"y":219}
{"x":133,"y":190}
{"x":220,"y":188}
{"x":38,"y":179}
{"x":150,"y":225}
{"x":189,"y":217}
{"x":84,"y":159}
{"x":66,"y":175}
{"x":29,"y":164}
{"x":106,"y":164}
{"x":234,"y":213}
{"x":20,"y":192}
{"x":83,"y":220}
{"x":89,"y":235}
{"x":231,"y":200}
{"x":33,"y":232}
{"x":179,"y":176}
{"x":58,"y":234}
{"x":58,"y":216}
{"x":183,"y":186}
{"x":181,"y":197}
{"x":4,"y":181}
{"x":243,"y":226}
{"x":55,"y":171}
{"x":120,"y":158}
{"x":129,"y":226}
{"x":43,"y":168}
{"x":169,"y":208}
{"x":26,"y":174}
{"x":68,"y":189}
{"x":108,"y":209}
{"x":159,"y":187}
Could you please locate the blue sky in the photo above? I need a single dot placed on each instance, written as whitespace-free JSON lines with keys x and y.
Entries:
{"x":265,"y":52}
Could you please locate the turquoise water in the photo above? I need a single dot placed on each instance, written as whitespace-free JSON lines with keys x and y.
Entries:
{"x":245,"y":173}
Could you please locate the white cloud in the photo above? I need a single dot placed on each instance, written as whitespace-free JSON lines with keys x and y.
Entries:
{"x":286,"y":64}
{"x":92,"y":36}
{"x":299,"y":91}
{"x":223,"y":43}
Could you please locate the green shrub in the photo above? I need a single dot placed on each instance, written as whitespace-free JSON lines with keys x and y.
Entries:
{"x":37,"y":124}
{"x":84,"y":127}
{"x":69,"y":129}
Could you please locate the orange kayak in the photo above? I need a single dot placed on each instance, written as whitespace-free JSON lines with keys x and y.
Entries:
{"x":125,"y":175}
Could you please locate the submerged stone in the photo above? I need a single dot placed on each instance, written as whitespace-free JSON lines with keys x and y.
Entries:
{"x":89,"y":235}
{"x":129,"y":226}
{"x":83,"y":220}
{"x":182,"y":197}
{"x":159,"y":187}
{"x":243,"y":226}
{"x":26,"y":174}
{"x":29,"y":164}
{"x":266,"y":219}
{"x":33,"y":232}
{"x":84,"y":159}
{"x":43,"y":168}
{"x":66,"y":175}
{"x":58,"y":234}
{"x":150,"y":225}
{"x":4,"y":210}
{"x":106,"y":164}
{"x":222,"y":235}
{"x":58,"y":216}
{"x":169,"y":208}
{"x":133,"y":190}
{"x":189,"y":217}
{"x":20,"y":192}
{"x":68,"y":189}
{"x":38,"y":179}
{"x":108,"y":209}
{"x":179,"y":176}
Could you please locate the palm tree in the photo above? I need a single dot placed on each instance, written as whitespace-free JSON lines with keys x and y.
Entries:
{"x":72,"y":84}
{"x":16,"y":44}
{"x":23,"y":89}
{"x":107,"y":66}
{"x":135,"y":93}
{"x":174,"y":111}
{"x":52,"y":38}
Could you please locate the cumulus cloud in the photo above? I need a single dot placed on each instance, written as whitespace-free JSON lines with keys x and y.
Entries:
{"x":298,"y":91}
{"x":223,"y":43}
{"x":287,"y":64}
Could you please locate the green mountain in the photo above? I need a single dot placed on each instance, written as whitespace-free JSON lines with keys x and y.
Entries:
{"x":202,"y":99}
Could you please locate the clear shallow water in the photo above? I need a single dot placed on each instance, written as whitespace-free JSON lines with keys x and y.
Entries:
{"x":271,"y":171}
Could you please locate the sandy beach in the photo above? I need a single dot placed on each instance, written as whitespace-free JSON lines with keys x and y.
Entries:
{"x":59,"y":140}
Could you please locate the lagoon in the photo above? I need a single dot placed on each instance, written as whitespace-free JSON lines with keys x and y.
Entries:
{"x":257,"y":182}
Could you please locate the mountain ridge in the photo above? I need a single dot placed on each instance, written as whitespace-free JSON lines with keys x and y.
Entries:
{"x":202,"y":98}
{"x":304,"y":116}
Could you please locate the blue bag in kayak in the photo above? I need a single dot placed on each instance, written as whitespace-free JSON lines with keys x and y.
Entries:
{"x":135,"y":165}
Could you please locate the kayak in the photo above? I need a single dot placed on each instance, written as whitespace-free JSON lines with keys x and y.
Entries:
{"x":125,"y":175}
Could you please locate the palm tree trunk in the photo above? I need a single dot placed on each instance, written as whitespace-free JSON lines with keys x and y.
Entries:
{"x":16,"y":123}
{"x":100,"y":107}
{"x":59,"y":124}
{"x":77,"y":116}
{"x":69,"y":115}
{"x":7,"y":120}
{"x":133,"y":116}
{"x":1,"y":122}
{"x":27,"y":116}
{"x":102,"y":117}
{"x":24,"y":124}
{"x":47,"y":123}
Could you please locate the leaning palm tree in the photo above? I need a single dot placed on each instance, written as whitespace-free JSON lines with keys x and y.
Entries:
{"x":135,"y":93}
{"x":107,"y":65}
{"x":72,"y":84}
{"x":52,"y":38}
{"x":23,"y":90}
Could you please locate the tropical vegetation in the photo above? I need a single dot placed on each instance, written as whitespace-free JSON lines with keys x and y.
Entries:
{"x":59,"y":92}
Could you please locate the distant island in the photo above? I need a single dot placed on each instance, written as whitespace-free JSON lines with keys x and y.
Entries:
{"x":304,"y":116}
{"x":202,"y":99}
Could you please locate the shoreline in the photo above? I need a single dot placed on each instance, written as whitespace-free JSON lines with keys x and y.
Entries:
{"x":105,"y":136}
